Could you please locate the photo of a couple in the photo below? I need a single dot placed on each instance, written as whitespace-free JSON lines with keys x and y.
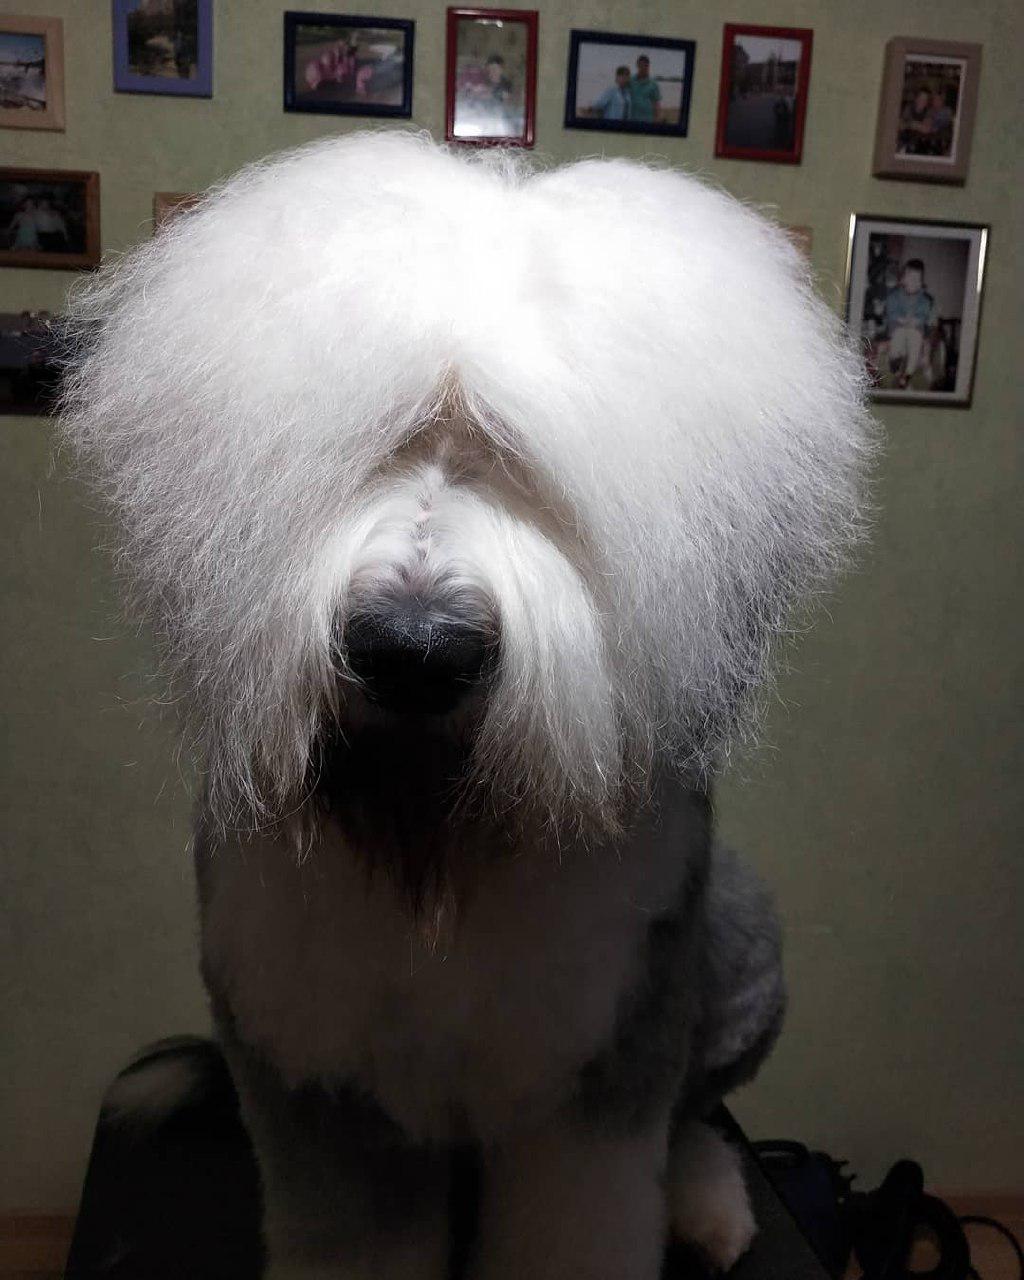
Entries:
{"x":629,"y":83}
{"x":42,"y":217}
{"x":928,"y":113}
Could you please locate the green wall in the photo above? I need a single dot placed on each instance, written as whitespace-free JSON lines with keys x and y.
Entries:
{"x":885,"y":801}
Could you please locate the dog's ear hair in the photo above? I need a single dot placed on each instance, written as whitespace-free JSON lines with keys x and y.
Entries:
{"x":651,"y":353}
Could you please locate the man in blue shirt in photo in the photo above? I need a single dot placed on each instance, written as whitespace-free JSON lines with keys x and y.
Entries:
{"x":615,"y":102}
{"x":644,"y":93}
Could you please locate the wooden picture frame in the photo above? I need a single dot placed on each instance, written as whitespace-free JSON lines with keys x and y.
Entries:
{"x":614,"y":111}
{"x":926,"y":110}
{"x":23,"y":42}
{"x":483,"y":103}
{"x":801,"y":237}
{"x":166,"y":204}
{"x":37,"y":214}
{"x":762,"y":102}
{"x":178,"y":61}
{"x":914,"y":291}
{"x":335,"y":81}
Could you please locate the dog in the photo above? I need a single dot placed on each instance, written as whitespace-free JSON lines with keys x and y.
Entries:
{"x":469,"y":500}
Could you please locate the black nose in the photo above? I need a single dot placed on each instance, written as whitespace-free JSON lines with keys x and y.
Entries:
{"x":408,"y":659}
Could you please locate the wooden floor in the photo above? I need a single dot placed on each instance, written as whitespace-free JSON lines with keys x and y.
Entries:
{"x":991,"y":1255}
{"x":34,"y":1246}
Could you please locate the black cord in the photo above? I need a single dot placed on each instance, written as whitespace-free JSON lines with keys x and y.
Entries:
{"x":880,"y":1225}
{"x":979,"y":1220}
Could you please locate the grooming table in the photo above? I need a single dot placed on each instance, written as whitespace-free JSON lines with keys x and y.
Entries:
{"x":181,"y":1200}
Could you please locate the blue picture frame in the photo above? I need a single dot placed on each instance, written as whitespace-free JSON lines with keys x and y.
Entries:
{"x":303,"y":98}
{"x":640,"y":46}
{"x":127,"y":77}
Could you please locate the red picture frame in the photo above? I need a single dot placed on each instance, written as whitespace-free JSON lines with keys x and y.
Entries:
{"x":774,"y":124}
{"x":461,"y":131}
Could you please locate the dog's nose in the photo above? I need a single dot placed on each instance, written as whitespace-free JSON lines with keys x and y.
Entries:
{"x":407,"y":659}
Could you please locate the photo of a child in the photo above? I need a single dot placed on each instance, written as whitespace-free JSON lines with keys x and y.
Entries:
{"x":492,"y":61}
{"x":914,"y":297}
{"x":910,"y":319}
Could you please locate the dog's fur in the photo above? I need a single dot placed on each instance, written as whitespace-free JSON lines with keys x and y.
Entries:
{"x":598,"y":414}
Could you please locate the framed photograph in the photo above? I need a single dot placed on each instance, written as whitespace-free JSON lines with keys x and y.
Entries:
{"x":49,"y":218}
{"x":346,"y":66}
{"x":29,"y":375}
{"x":164,"y":46}
{"x":926,"y":112}
{"x":629,"y":84}
{"x":762,"y":94}
{"x":168,"y":203}
{"x":491,"y":76}
{"x":913,"y":294}
{"x":31,"y":73}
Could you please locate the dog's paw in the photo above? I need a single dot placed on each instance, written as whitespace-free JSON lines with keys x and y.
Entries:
{"x":707,"y":1198}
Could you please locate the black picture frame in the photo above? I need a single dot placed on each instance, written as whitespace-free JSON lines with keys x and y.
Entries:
{"x":573,"y":119}
{"x":29,"y":364}
{"x":293,"y":95}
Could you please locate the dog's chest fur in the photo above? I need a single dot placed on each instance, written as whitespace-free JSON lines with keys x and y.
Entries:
{"x":321,"y":969}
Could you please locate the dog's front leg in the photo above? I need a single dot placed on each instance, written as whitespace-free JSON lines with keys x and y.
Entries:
{"x":572,"y":1200}
{"x":345,"y":1197}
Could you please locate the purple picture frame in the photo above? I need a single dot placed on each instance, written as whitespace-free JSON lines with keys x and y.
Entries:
{"x":128,"y":81}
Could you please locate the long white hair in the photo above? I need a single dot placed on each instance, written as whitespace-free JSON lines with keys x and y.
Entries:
{"x":641,"y":358}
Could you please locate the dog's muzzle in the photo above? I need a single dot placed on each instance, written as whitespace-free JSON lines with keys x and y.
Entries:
{"x":407,"y":659}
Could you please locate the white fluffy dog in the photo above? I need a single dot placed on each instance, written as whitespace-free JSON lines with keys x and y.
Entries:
{"x":467,"y":501}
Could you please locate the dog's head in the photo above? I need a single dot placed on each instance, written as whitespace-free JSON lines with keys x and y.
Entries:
{"x":521,"y":472}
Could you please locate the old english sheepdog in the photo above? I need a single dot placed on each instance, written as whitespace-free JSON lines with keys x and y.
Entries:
{"x":467,"y":499}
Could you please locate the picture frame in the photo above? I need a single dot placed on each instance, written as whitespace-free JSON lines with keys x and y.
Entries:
{"x":801,"y":237}
{"x":913,"y":293}
{"x":29,"y":373}
{"x":167,"y":204}
{"x":926,"y":110}
{"x":50,"y":218}
{"x":161,"y":51}
{"x":343,"y":65}
{"x":762,"y":93}
{"x":491,"y":77}
{"x":31,"y":72}
{"x":629,"y":84}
